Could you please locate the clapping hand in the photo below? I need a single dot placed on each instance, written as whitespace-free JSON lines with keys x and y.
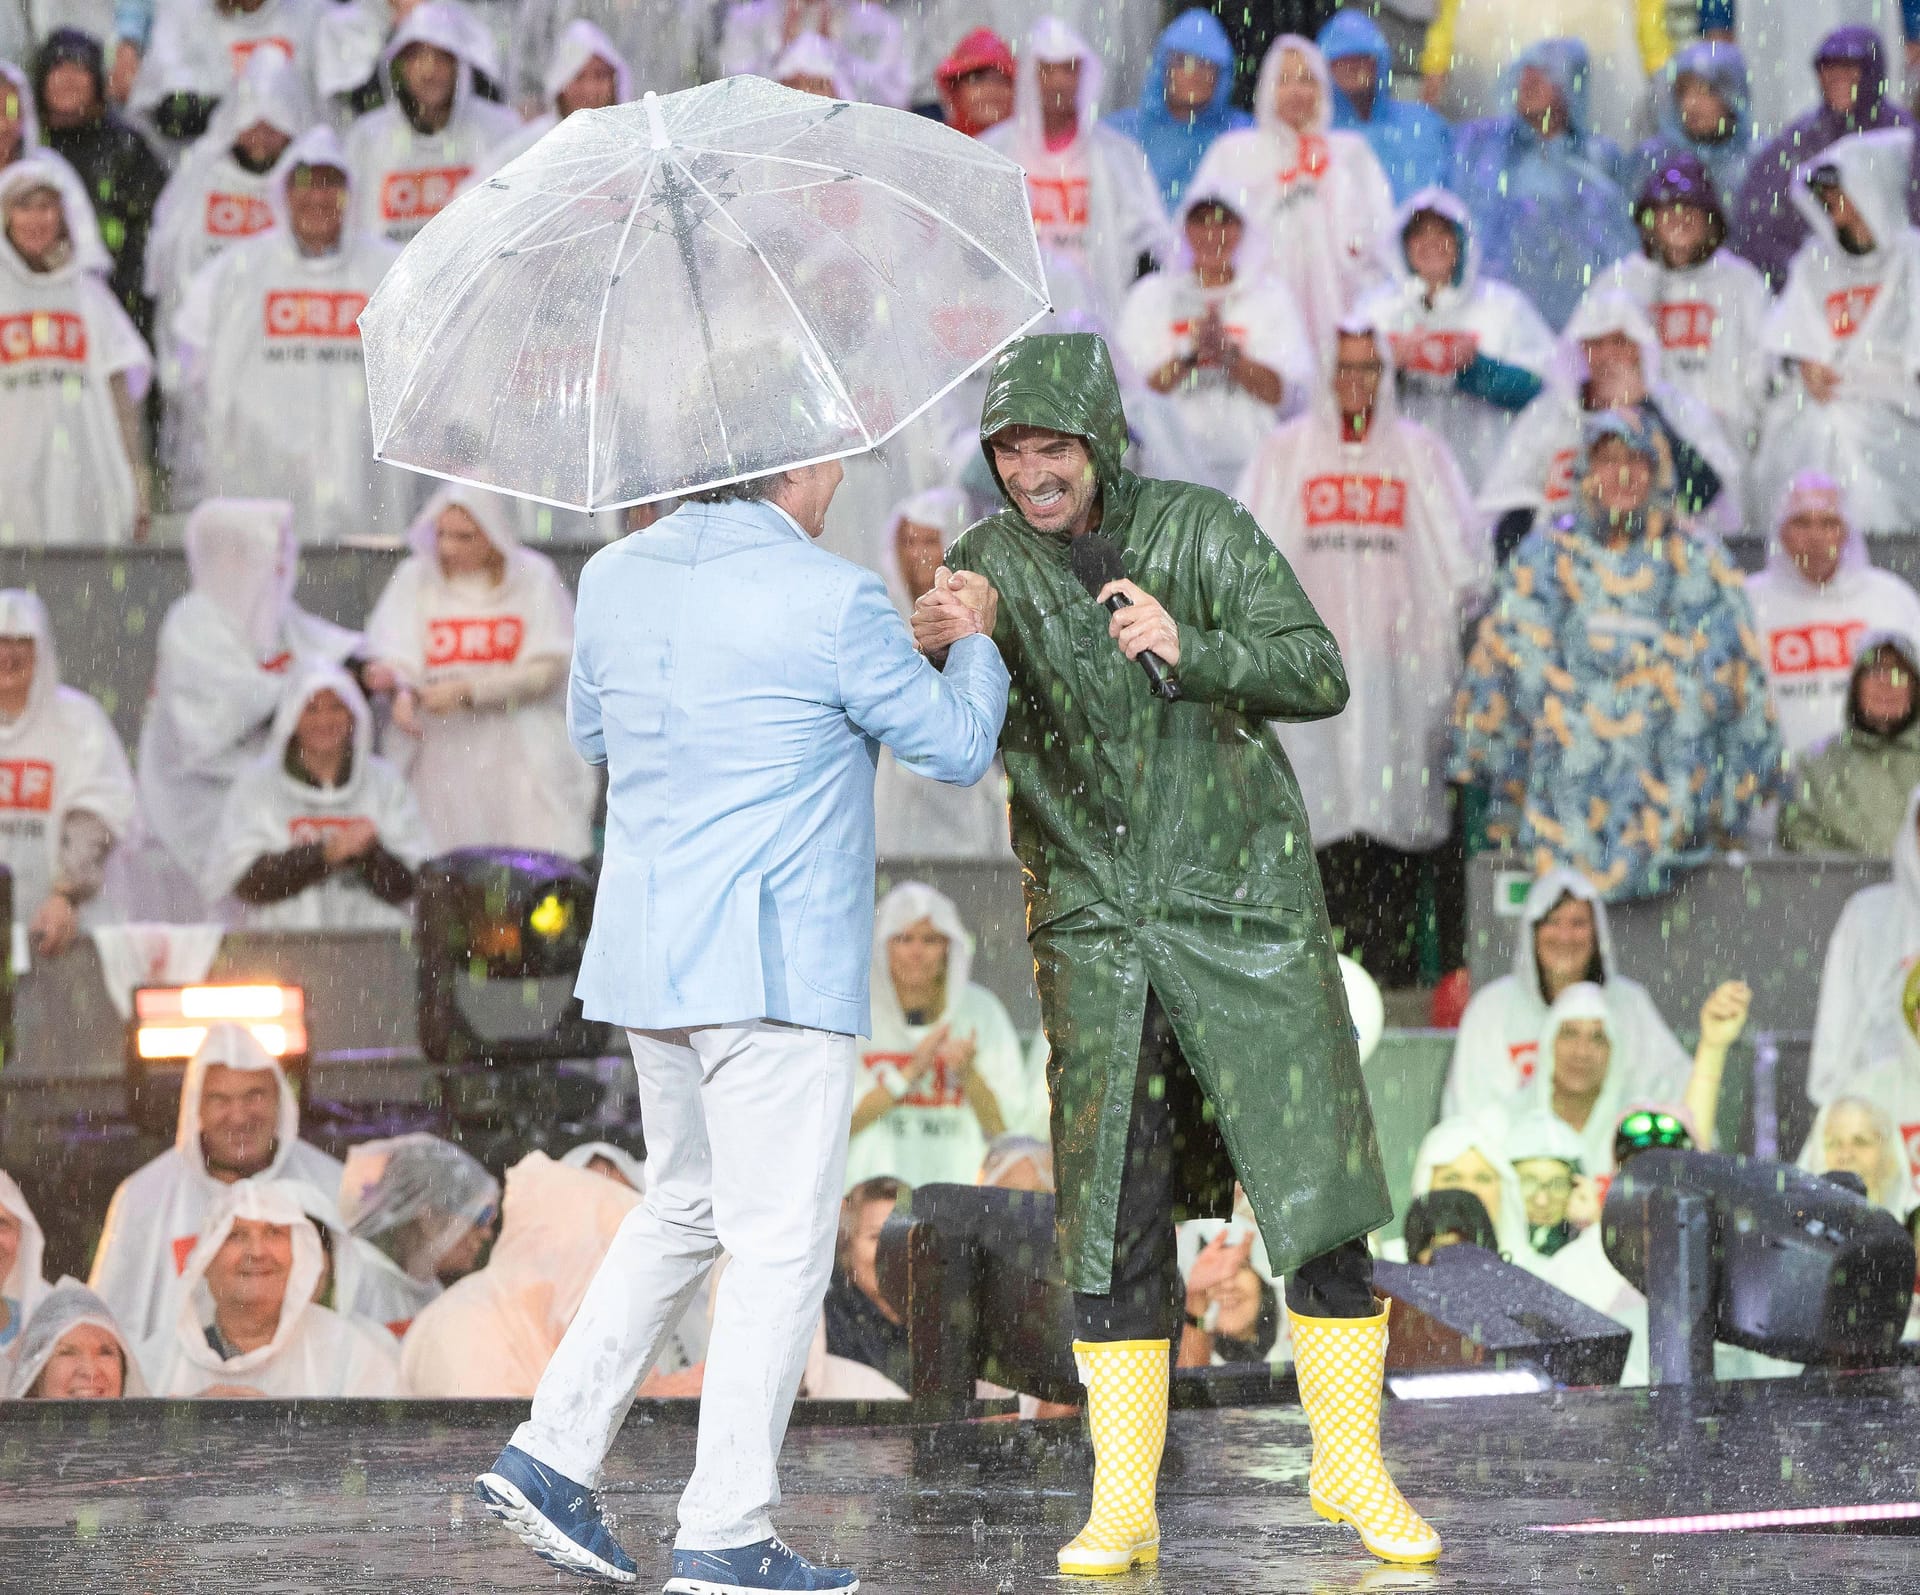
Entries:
{"x":1724,"y":1014}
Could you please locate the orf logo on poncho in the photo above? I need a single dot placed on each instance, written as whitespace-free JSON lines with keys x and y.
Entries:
{"x":420,"y":195}
{"x":1351,"y":499}
{"x":313,"y":313}
{"x":237,"y":215}
{"x":1796,"y":650}
{"x":42,"y":335}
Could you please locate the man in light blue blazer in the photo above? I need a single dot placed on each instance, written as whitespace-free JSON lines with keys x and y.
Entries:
{"x":736,"y":681}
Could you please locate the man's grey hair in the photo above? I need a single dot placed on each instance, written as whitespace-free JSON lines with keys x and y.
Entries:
{"x":754,"y":490}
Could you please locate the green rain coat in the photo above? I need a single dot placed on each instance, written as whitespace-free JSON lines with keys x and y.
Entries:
{"x":1165,"y":845}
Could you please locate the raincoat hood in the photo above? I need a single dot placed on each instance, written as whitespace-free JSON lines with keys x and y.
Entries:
{"x":389,"y":1184}
{"x":1065,"y":382}
{"x":1858,"y":46}
{"x":1608,"y":311}
{"x":1890,"y":1185}
{"x":1265,"y":116}
{"x":1053,"y":41}
{"x":272,"y":91}
{"x":242,"y":558}
{"x":811,"y":56}
{"x":1568,"y":66}
{"x":1813,"y":490}
{"x":261,"y":1200}
{"x":945,"y":507}
{"x":979,"y":50}
{"x":1174,"y":143}
{"x":1543,"y":1135}
{"x":24,"y":1283}
{"x":1543,"y":897}
{"x":22,"y":614}
{"x":1723,"y":68}
{"x":580,"y":42}
{"x":1350,"y":33}
{"x":27,"y":112}
{"x":39,"y":171}
{"x":630,"y":1167}
{"x":1386,"y":402}
{"x":1582,"y":1000}
{"x":1873,"y":170}
{"x":446,"y":26}
{"x":233,"y":1047}
{"x":908,"y":904}
{"x":317,"y":146}
{"x":1452,"y":1139}
{"x":75,"y":47}
{"x":1431,"y":202}
{"x":489,"y":512}
{"x":1250,"y":259}
{"x":1681,"y":179}
{"x":302,"y":690}
{"x":1865,"y":647}
{"x":66,"y":1307}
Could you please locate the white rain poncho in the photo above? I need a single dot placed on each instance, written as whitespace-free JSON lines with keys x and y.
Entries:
{"x":212,"y":201}
{"x":1858,"y":1023}
{"x":268,"y":349}
{"x":315,"y":1353}
{"x":1385,"y":541}
{"x":225,"y":652}
{"x":65,"y":474}
{"x":1095,"y":201}
{"x":1536,"y":470}
{"x":403,"y":178}
{"x":1708,"y":318}
{"x":580,"y":43}
{"x":1452,"y":1139}
{"x":270,"y":810}
{"x":500,"y":773}
{"x":1859,"y":315}
{"x":61,"y":757}
{"x":66,"y":1307}
{"x":1809,"y":633}
{"x":1472,"y":315}
{"x":1632,"y":1081}
{"x":81,"y":220}
{"x":1877,"y":1096}
{"x":872,"y":50}
{"x":669,"y":36}
{"x":201,"y":47}
{"x":1496,"y":1054}
{"x":1162,"y":315}
{"x":417,"y":1195}
{"x":915,"y":817}
{"x":21,"y":1290}
{"x":492,"y":1333}
{"x":1320,"y":196}
{"x":932,"y":1135}
{"x":159,"y":1210}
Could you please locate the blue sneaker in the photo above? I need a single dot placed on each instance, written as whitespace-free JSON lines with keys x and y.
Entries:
{"x":557,"y":1518}
{"x":752,"y":1569}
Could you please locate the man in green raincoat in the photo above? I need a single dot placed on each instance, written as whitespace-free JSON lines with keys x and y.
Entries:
{"x":1193,"y":1005}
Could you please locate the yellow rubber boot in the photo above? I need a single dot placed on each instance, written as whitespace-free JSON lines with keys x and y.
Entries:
{"x":1126,"y":1384}
{"x":1340,"y":1363}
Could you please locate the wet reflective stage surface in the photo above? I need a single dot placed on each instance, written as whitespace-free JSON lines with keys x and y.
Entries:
{"x":233,"y":1496}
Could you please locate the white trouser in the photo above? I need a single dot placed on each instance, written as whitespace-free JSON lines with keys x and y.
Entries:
{"x":746,"y":1129}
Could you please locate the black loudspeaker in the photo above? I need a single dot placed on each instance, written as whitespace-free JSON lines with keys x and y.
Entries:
{"x":1761,"y":1255}
{"x":975,"y":1275}
{"x":1468,"y":1309}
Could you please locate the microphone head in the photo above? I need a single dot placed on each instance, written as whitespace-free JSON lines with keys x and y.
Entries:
{"x":1095,"y":562}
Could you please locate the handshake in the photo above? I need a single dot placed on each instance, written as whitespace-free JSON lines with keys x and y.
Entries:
{"x":958,"y":604}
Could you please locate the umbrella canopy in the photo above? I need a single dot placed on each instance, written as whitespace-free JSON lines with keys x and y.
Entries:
{"x":690,"y":290}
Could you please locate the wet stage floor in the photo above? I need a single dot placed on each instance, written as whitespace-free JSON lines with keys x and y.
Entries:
{"x":360,"y":1497}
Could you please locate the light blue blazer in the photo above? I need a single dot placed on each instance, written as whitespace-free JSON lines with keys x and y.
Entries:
{"x":736,"y":681}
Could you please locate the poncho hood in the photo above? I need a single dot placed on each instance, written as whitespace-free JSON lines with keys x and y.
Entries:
{"x":556,"y":1224}
{"x":1873,"y":169}
{"x":1432,"y":201}
{"x":25,"y":112}
{"x":1865,"y":647}
{"x":311,"y":681}
{"x":24,"y":1283}
{"x":1175,"y":144}
{"x":945,"y":507}
{"x":1065,"y":382}
{"x":64,"y":1309}
{"x":317,"y":146}
{"x":812,"y":56}
{"x":1053,"y":41}
{"x":580,"y":42}
{"x":260,"y":1200}
{"x":489,"y":512}
{"x":1350,"y":33}
{"x":1568,"y":66}
{"x":23,"y":615}
{"x":1890,"y":1185}
{"x":1808,"y":489}
{"x":1723,"y":68}
{"x":40,"y":171}
{"x":446,"y":26}
{"x":270,"y":90}
{"x":1265,"y":116}
{"x":243,"y":560}
{"x":233,"y":1047}
{"x":1680,"y":179}
{"x":1599,"y":314}
{"x":391,"y":1183}
{"x":1857,"y":46}
{"x":1543,"y":1135}
{"x":908,"y":904}
{"x":1545,"y":895}
{"x":1452,"y":1139}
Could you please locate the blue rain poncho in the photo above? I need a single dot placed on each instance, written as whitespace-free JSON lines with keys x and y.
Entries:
{"x":1175,"y":144}
{"x":1412,"y":142}
{"x":1724,"y":69}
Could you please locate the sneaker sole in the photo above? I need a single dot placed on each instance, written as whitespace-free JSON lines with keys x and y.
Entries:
{"x":503,"y":1499}
{"x":706,"y":1586}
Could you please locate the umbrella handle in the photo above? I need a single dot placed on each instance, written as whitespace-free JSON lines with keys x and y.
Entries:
{"x":656,"y":123}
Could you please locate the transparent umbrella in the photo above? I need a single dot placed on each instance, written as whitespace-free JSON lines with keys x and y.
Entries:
{"x":693,"y":289}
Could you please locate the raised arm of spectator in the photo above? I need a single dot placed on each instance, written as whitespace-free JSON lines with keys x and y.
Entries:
{"x":1722,"y":1017}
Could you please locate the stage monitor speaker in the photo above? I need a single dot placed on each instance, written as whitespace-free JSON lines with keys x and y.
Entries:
{"x":975,"y":1275}
{"x":1469,"y":1309}
{"x":1788,"y":1263}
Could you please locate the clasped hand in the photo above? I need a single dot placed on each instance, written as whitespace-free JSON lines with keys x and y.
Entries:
{"x":958,"y":604}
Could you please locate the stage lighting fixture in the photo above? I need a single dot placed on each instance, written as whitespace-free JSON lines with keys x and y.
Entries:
{"x":499,"y":936}
{"x":170,"y":1022}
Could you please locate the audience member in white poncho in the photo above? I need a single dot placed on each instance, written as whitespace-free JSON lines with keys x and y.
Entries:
{"x":1608,"y":359}
{"x":1859,"y":1023}
{"x":319,"y":833}
{"x":812,"y":65}
{"x":668,"y":36}
{"x":426,"y":1211}
{"x":267,"y":347}
{"x":20,"y":138}
{"x":1548,"y":1160}
{"x":1817,"y":598}
{"x":1372,"y":514}
{"x":1561,"y":939}
{"x":1847,"y":326}
{"x":913,"y":816}
{"x":475,"y":633}
{"x":239,"y":1120}
{"x":202,"y":47}
{"x":1707,"y":305}
{"x":73,"y":1350}
{"x":1093,"y":195}
{"x":872,"y":50}
{"x":492,"y":1333}
{"x":414,"y":153}
{"x":242,"y":1319}
{"x":1319,"y":196}
{"x":1469,"y":352}
{"x":66,"y":793}
{"x":22,"y":1246}
{"x":944,"y":1072}
{"x":73,"y":372}
{"x":584,"y":73}
{"x":225,"y":653}
{"x":1218,"y":333}
{"x":1469,"y":1154}
{"x":1856,"y":1134}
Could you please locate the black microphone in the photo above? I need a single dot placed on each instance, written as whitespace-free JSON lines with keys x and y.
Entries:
{"x":1096,"y":562}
